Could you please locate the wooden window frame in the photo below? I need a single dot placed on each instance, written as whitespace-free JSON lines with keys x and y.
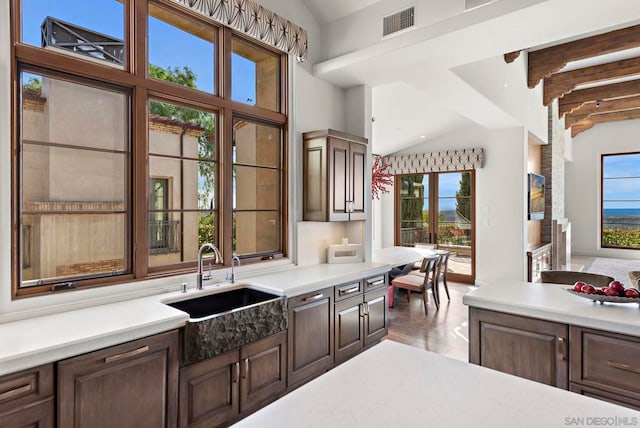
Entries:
{"x":134,"y":77}
{"x":602,"y":156}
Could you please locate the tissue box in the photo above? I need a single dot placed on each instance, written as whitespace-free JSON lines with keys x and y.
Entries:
{"x":349,"y":253}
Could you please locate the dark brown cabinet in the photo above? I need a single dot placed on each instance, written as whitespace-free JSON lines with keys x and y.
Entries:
{"x":526,"y":347}
{"x":218,"y":390}
{"x":334,"y":171}
{"x":605,"y":365}
{"x":310,"y":341}
{"x":27,"y":399}
{"x":361,"y":319}
{"x":130,"y":385}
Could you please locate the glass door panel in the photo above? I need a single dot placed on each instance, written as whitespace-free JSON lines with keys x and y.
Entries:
{"x":414,"y":210}
{"x":454,"y":223}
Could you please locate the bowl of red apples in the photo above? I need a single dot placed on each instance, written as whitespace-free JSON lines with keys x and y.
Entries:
{"x":615,"y":292}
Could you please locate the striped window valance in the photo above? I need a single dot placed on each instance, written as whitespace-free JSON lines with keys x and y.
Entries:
{"x":450,"y":160}
{"x":254,"y":20}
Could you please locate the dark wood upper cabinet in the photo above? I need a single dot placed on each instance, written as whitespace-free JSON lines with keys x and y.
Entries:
{"x":334,"y":171}
{"x":130,"y":385}
{"x":530,"y":348}
{"x":310,"y":335}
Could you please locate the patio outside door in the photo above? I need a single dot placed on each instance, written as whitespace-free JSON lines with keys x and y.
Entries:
{"x":438,"y":209}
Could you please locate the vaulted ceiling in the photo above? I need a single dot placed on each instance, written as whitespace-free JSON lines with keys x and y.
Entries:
{"x":443,"y":76}
{"x":596,"y":79}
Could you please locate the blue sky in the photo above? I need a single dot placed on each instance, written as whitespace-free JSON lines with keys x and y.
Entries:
{"x":622,"y":181}
{"x":448,"y":185}
{"x":168,"y":46}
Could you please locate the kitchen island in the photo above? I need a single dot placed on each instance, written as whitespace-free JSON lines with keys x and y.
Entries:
{"x":543,"y":333}
{"x":416,"y":388}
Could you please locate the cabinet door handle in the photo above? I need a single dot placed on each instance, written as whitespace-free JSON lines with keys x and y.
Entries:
{"x":237,"y":372}
{"x":362,"y":310}
{"x":316,"y":297}
{"x":7,"y":395}
{"x":246,"y":368}
{"x":560,"y":345}
{"x":624,"y":367}
{"x":117,"y":357}
{"x":350,"y":291}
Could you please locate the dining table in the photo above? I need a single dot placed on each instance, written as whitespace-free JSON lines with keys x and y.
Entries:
{"x":400,"y":256}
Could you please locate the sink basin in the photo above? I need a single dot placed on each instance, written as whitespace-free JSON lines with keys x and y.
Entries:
{"x":217,"y":304}
{"x":226,"y":321}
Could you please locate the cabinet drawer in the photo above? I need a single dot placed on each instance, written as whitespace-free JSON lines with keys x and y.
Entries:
{"x":605,"y":360}
{"x":609,"y":397}
{"x":312,"y":296}
{"x":25,"y":387}
{"x":345,"y":291}
{"x":375,"y":282}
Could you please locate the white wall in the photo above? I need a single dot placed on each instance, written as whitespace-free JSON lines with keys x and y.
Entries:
{"x":501,"y":224}
{"x":505,"y":85}
{"x":315,"y":104}
{"x":364,"y":28}
{"x":582,"y":181}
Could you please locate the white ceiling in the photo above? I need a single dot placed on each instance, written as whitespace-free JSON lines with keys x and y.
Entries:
{"x":330,"y":10}
{"x":416,"y":91}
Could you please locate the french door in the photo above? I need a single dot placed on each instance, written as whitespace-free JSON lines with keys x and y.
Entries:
{"x":438,"y":210}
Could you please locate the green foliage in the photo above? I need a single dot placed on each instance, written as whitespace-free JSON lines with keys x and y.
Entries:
{"x":184,"y":76}
{"x":463,"y":200}
{"x":411,"y":208}
{"x":627,"y":238}
{"x":33,"y":84}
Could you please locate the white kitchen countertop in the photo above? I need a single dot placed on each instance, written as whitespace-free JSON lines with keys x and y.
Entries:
{"x":300,"y":280}
{"x":395,"y":385}
{"x":551,"y":302}
{"x":39,"y":340}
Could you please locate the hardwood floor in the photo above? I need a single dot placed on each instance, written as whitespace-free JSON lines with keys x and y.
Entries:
{"x":444,"y":331}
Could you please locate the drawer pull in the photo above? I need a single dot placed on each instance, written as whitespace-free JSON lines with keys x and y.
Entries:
{"x":117,"y":357}
{"x":624,"y":367}
{"x":316,"y":297}
{"x":378,"y":281}
{"x":350,"y":291}
{"x":7,"y":395}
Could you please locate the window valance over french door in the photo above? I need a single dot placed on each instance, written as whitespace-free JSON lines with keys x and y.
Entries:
{"x":250,"y":18}
{"x":450,"y":160}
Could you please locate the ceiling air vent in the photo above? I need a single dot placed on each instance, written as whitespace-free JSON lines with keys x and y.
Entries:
{"x":398,"y":21}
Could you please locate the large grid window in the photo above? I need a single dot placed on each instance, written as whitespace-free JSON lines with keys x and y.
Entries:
{"x":621,"y":201}
{"x":131,"y":148}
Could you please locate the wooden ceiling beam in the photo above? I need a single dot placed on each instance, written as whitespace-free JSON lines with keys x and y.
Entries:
{"x":593,"y":120}
{"x":559,"y":84}
{"x":511,"y":56}
{"x":576,"y":99}
{"x":605,"y":106}
{"x":544,"y":62}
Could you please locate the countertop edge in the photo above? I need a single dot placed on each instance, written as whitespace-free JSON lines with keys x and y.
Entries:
{"x":62,"y":351}
{"x":552,"y":315}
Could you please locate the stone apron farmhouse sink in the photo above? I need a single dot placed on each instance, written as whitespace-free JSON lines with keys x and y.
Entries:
{"x":224,"y":321}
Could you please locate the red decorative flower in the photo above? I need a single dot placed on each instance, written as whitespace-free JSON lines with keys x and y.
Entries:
{"x":380,"y":178}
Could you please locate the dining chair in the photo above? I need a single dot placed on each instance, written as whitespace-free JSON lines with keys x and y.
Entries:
{"x":420,"y":282}
{"x":443,"y":264}
{"x":570,"y":277}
